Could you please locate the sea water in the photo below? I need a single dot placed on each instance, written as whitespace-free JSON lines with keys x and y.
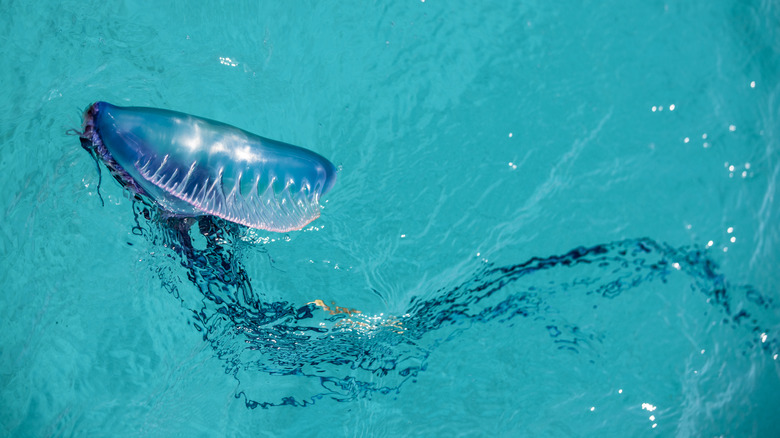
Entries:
{"x":550,"y":219}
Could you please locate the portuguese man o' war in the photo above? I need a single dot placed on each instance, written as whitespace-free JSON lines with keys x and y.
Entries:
{"x":288,"y":353}
{"x":192,"y":167}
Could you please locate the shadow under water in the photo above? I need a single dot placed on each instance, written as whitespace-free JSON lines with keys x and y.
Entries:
{"x":344,"y":355}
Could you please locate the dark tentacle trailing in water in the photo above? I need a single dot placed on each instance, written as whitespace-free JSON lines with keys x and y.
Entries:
{"x":326,"y":352}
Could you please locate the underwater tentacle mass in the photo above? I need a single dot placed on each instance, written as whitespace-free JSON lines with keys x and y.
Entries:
{"x":191,"y":166}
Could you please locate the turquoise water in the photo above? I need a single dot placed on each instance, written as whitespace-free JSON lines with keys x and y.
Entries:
{"x":555,"y":219}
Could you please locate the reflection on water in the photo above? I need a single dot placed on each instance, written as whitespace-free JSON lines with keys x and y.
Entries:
{"x":285,"y":353}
